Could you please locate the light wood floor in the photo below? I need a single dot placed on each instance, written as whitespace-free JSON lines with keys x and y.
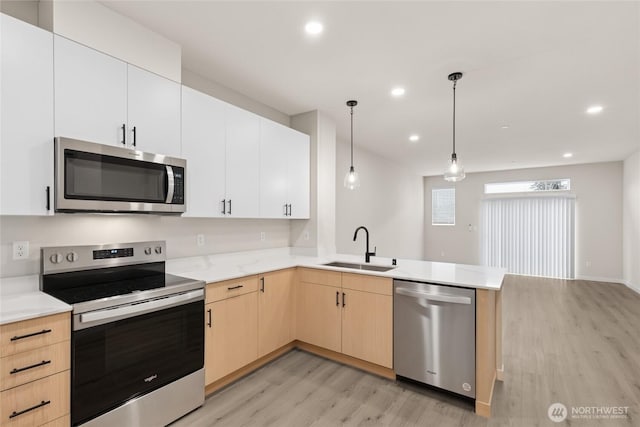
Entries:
{"x":573,"y":342}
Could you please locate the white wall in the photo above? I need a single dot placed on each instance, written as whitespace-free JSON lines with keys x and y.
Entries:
{"x":317,"y":235}
{"x":631,"y":221}
{"x":221,"y":235}
{"x":202,"y":84}
{"x":95,"y":25}
{"x":598,"y":190}
{"x":389,"y":203}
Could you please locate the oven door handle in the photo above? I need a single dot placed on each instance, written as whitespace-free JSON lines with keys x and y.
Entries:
{"x":143,"y":307}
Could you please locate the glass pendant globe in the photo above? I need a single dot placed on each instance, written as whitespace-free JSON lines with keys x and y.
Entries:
{"x":352,"y":179}
{"x":455,"y":171}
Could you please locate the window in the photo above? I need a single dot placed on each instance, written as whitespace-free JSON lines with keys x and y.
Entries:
{"x":527,"y":186}
{"x":443,"y":206}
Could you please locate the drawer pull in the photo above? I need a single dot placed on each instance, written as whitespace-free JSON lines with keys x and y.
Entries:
{"x":235,"y":287}
{"x":39,"y":405}
{"x":16,"y":370}
{"x":44,"y":331}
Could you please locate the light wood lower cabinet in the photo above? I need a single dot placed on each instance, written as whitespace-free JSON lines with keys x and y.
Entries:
{"x":367,"y":327}
{"x":318,"y":315}
{"x":354,"y":318}
{"x":275,"y":311}
{"x":231,"y":335}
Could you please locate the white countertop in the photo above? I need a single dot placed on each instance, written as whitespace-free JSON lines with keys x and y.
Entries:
{"x":20,"y":299}
{"x":214,"y":268}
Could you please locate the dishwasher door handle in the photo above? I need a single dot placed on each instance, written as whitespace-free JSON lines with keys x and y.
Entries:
{"x":433,"y":297}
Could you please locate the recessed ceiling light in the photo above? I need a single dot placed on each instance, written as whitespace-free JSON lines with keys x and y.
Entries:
{"x":567,"y":155}
{"x":313,"y":27}
{"x":594,"y":109}
{"x":397,"y":91}
{"x":414,"y":138}
{"x":504,"y":127}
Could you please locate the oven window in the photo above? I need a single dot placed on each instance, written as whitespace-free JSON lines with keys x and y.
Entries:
{"x":115,"y":362}
{"x":90,"y":176}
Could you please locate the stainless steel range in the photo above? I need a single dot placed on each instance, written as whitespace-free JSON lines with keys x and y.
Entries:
{"x":137,"y":346}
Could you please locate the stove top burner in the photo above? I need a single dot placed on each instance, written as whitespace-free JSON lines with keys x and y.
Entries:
{"x":109,"y":289}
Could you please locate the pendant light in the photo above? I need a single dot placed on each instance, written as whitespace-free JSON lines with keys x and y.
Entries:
{"x":351,"y":179}
{"x":455,"y":171}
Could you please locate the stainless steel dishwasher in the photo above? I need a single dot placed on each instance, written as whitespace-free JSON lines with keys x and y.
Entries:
{"x":434,"y":335}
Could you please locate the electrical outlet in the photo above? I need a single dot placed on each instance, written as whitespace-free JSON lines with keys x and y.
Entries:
{"x":442,"y":253}
{"x":21,"y":250}
{"x":263,"y":236}
{"x":200,"y":239}
{"x":306,"y":235}
{"x":588,"y":264}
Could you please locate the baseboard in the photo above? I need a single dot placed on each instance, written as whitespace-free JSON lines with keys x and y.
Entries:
{"x":599,"y":279}
{"x":484,"y":408}
{"x":500,"y":373}
{"x":629,"y":285}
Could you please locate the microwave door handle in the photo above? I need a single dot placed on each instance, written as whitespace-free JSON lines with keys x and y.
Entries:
{"x":170,"y":184}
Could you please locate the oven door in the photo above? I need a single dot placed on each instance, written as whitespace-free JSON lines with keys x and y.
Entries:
{"x":119,"y":360}
{"x":103,"y":178}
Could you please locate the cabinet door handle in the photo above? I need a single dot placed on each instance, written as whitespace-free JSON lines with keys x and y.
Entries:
{"x":209,"y":322}
{"x":224,"y":206}
{"x":337,"y":299}
{"x":344,"y":301}
{"x":39,"y":405}
{"x":235,"y":287}
{"x":285,"y":210}
{"x":229,"y":207}
{"x":134,"y":136}
{"x":19,"y":337}
{"x":48,"y":198}
{"x":289,"y":209}
{"x":124,"y":134}
{"x":16,"y":370}
{"x":262,"y":284}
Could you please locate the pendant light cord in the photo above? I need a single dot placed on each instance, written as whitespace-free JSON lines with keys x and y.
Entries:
{"x":351,"y":137}
{"x":454,"y":116}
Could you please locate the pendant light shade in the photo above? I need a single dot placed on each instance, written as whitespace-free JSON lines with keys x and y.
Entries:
{"x":455,"y":171}
{"x":351,"y":179}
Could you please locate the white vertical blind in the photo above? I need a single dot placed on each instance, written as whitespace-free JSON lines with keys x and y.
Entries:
{"x":532,"y":236}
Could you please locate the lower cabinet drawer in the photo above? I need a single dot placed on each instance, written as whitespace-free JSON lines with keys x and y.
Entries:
{"x":219,"y":291}
{"x":31,"y":365}
{"x":30,"y":334}
{"x":36,"y":403}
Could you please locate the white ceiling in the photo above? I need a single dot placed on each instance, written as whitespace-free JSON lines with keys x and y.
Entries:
{"x":534,"y":66}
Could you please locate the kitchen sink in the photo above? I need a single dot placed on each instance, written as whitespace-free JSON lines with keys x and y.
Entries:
{"x":357,"y":266}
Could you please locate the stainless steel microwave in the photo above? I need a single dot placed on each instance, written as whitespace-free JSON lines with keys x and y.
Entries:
{"x":93,"y":177}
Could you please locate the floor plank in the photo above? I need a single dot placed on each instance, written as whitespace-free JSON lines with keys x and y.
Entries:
{"x":574,"y":342}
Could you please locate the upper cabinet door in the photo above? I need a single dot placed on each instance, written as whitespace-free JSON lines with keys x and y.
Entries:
{"x":26,"y":139}
{"x":243,"y":162}
{"x":90,"y":94}
{"x":273,"y":169}
{"x":153,"y":113}
{"x":203,"y":146}
{"x":298,"y":174}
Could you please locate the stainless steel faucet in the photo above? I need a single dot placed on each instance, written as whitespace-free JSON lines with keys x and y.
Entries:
{"x":367,"y":254}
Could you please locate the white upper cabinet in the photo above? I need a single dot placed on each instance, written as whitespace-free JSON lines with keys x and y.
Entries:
{"x":242,"y":163}
{"x":273,"y":170}
{"x":90,"y":94}
{"x":298,"y":174}
{"x":99,"y":98}
{"x":153,"y":112}
{"x":284,"y":172}
{"x":203,"y":145}
{"x":26,"y":138}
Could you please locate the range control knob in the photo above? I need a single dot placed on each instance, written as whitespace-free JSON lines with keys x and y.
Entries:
{"x":158,"y":250}
{"x":72,"y":257}
{"x":147,"y":251}
{"x":56,"y":258}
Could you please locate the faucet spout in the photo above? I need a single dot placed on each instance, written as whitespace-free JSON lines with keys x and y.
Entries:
{"x":367,"y":254}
